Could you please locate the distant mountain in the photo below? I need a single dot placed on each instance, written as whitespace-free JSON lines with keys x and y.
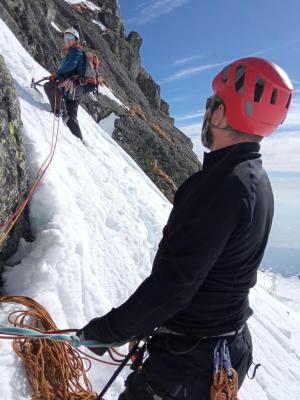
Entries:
{"x":282,"y":260}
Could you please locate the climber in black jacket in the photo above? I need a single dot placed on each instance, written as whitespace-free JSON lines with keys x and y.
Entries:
{"x":211,"y":248}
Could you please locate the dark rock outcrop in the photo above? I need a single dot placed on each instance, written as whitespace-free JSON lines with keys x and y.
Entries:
{"x":30,"y":22}
{"x":35,"y":23}
{"x":127,"y":54}
{"x":164,"y":108}
{"x":150,"y":89}
{"x":110,"y":16}
{"x":165,"y":160}
{"x":13,"y":168}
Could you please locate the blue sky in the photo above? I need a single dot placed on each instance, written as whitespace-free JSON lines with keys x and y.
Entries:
{"x":186,"y":42}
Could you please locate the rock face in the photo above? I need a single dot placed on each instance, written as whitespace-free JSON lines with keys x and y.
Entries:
{"x":13,"y":169}
{"x":165,"y":157}
{"x":110,"y":16}
{"x":145,"y":129}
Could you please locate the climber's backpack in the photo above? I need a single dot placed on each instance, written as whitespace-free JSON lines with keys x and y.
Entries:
{"x":91,"y":77}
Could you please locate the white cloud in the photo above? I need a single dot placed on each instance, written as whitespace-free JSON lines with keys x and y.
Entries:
{"x":193,"y":131}
{"x":293,"y":119}
{"x":280,"y":46}
{"x":155,"y":10}
{"x":185,"y":73}
{"x":280,"y":152}
{"x":197,"y":114}
{"x":188,"y":59}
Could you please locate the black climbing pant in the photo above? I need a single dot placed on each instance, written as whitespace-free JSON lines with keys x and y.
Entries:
{"x":72,"y":122}
{"x":67,"y":106}
{"x":182,"y":369}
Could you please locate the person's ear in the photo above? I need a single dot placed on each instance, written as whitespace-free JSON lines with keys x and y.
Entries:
{"x":219,"y":115}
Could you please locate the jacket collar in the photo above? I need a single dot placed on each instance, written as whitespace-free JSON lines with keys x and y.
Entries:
{"x":243,"y":151}
{"x":75,"y":46}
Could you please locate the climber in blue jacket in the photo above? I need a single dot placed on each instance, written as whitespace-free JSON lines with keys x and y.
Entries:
{"x":63,"y":89}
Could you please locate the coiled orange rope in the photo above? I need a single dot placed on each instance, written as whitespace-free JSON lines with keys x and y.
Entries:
{"x":223,"y":387}
{"x":55,"y":370}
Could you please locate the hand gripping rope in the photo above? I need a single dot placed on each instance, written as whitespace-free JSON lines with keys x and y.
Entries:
{"x":73,"y":340}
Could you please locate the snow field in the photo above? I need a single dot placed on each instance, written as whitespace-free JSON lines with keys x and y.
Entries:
{"x":96,"y":218}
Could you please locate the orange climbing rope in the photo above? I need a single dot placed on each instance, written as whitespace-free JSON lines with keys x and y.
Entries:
{"x":55,"y":370}
{"x":225,"y":379}
{"x":224,"y":388}
{"x":10,"y":223}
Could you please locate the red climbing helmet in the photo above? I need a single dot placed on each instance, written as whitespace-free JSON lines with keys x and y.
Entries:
{"x":256,"y":93}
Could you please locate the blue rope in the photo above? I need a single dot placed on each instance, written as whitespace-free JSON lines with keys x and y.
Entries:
{"x":32,"y":334}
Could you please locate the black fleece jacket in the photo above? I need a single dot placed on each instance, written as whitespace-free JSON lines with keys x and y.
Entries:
{"x":208,"y":257}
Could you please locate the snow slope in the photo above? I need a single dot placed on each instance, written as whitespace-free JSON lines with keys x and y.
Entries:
{"x":97,"y":219}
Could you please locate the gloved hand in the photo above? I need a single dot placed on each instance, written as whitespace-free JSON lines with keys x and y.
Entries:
{"x":97,"y":350}
{"x":99,"y":329}
{"x":53,"y":78}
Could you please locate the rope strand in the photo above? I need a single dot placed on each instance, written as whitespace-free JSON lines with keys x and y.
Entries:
{"x":55,"y":370}
{"x":10,"y":223}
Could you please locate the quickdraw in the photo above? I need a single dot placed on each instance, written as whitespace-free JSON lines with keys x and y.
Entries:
{"x":225,"y":380}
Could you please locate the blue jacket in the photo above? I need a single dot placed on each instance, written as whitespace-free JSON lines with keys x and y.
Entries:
{"x":72,"y":64}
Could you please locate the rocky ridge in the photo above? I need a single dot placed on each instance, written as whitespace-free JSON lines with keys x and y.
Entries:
{"x":13,"y":166}
{"x":145,"y":129}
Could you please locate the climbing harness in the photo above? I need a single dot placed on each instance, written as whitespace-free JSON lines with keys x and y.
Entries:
{"x":256,"y":366}
{"x":225,"y":379}
{"x":55,"y":367}
{"x":69,"y":88}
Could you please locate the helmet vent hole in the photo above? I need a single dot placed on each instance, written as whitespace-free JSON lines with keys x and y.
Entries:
{"x":248,"y":108}
{"x":289,"y":101}
{"x":225,"y":75}
{"x":274,"y":96}
{"x":240,"y":79}
{"x":259,"y":89}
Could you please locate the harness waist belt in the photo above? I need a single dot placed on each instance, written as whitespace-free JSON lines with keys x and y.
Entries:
{"x":163,"y":329}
